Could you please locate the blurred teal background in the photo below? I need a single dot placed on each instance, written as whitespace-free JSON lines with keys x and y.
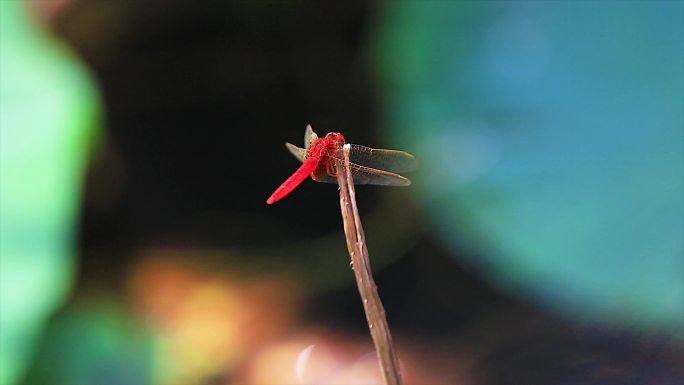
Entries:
{"x":48,"y":108}
{"x":542,"y":241}
{"x":551,"y":136}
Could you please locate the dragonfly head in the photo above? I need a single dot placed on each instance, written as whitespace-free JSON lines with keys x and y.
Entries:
{"x":336,"y":136}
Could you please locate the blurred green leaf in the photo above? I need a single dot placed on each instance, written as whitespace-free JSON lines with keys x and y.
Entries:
{"x":48,"y":109}
{"x":551,"y":140}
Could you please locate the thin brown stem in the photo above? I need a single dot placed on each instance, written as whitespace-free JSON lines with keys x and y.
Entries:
{"x":360,"y":263}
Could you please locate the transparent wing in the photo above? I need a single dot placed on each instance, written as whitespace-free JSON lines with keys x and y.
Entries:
{"x":309,"y":136}
{"x":299,"y":153}
{"x":362,"y":175}
{"x":394,"y":161}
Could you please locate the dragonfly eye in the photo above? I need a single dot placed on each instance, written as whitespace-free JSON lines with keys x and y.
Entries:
{"x":336,"y":136}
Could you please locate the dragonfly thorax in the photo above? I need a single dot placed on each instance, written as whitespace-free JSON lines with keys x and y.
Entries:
{"x":325,"y":146}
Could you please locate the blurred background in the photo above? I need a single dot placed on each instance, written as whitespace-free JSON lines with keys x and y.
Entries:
{"x":542,"y":240}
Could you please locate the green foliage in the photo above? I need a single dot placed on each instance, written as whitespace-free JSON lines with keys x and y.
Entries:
{"x":48,"y":109}
{"x":551,"y":146}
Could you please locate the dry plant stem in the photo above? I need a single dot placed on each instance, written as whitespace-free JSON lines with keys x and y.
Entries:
{"x":360,"y":263}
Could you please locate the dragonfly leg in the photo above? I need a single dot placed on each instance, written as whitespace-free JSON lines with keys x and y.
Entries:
{"x":331,"y":167}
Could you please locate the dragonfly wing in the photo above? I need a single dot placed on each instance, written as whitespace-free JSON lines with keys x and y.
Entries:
{"x":363,"y":175}
{"x":299,"y":153}
{"x":394,"y":161}
{"x":367,"y":175}
{"x":309,"y":136}
{"x":320,"y":175}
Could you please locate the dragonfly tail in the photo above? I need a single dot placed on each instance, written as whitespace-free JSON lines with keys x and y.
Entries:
{"x":293,"y":181}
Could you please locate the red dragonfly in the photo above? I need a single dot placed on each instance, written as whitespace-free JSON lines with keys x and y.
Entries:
{"x":320,"y":157}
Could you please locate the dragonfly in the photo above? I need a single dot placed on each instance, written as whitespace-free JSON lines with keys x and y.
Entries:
{"x":320,"y":158}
